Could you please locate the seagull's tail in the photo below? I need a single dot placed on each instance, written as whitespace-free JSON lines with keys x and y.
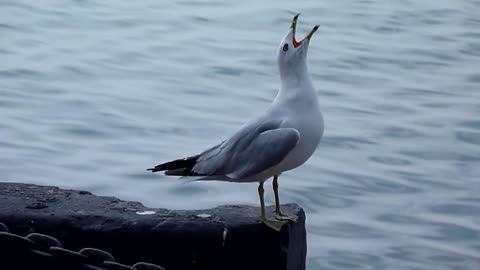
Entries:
{"x":181,"y":167}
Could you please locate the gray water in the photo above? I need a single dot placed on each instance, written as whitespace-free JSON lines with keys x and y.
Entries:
{"x":94,"y":92}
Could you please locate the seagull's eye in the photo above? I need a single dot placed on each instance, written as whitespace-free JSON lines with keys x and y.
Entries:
{"x":285,"y":47}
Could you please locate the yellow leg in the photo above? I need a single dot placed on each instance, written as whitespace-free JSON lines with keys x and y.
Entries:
{"x":277,"y":198}
{"x":278,"y":211}
{"x":275,"y":224}
{"x":261,"y":191}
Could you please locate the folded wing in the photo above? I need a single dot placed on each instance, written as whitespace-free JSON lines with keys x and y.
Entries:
{"x":253,"y":149}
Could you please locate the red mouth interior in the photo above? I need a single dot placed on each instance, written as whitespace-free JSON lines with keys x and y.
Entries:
{"x":296,"y":44}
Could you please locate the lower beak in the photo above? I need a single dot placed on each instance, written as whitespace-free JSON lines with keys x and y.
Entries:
{"x":310,"y":34}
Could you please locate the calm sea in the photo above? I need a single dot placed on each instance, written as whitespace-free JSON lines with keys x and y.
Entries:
{"x":94,"y":92}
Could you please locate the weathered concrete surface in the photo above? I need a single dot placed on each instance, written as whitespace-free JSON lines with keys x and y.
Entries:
{"x":226,"y":237}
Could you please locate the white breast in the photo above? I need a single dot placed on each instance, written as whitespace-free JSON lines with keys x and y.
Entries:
{"x":310,"y":128}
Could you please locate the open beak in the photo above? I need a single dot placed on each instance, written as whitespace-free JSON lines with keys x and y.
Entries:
{"x":296,"y":43}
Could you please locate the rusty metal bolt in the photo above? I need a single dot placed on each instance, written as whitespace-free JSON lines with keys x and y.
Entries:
{"x":147,"y":266}
{"x":116,"y":266}
{"x":12,"y":241}
{"x":3,"y":227}
{"x":44,"y":242}
{"x":68,"y":256}
{"x":96,"y":256}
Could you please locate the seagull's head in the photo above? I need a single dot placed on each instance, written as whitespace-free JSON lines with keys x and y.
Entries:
{"x":291,"y":52}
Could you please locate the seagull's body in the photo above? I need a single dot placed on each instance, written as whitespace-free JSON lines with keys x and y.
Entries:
{"x":282,"y":138}
{"x":292,"y":111}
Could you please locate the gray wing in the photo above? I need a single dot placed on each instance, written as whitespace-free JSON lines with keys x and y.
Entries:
{"x":254,"y":148}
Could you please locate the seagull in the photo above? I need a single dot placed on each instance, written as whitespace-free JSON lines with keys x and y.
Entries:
{"x":280,"y":139}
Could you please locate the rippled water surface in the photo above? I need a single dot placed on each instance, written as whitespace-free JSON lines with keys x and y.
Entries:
{"x":94,"y":92}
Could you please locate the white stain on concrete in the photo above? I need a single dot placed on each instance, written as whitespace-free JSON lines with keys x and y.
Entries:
{"x":225,"y":232}
{"x":143,"y":213}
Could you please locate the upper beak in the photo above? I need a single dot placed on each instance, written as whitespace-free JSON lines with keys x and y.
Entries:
{"x":294,"y":27}
{"x":294,"y":22}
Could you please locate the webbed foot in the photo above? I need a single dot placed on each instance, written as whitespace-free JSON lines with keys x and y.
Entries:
{"x":285,"y":217}
{"x":275,"y":223}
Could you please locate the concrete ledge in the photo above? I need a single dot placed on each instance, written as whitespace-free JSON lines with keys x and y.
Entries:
{"x":226,"y":237}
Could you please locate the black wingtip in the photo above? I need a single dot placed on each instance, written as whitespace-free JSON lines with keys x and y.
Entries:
{"x":182,"y":163}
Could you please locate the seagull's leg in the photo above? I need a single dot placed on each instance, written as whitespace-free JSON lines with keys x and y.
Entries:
{"x":272,"y":223}
{"x":277,"y":198}
{"x":278,"y":212}
{"x":262,"y":202}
